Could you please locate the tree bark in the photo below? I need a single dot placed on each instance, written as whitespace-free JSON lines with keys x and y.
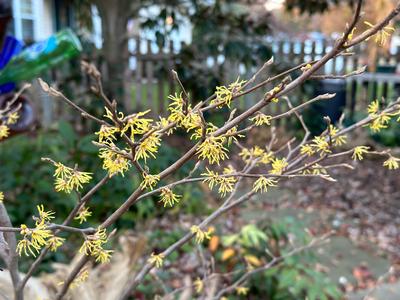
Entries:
{"x":114,"y":19}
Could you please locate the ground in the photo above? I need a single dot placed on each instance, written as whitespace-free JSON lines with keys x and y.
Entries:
{"x":364,"y":208}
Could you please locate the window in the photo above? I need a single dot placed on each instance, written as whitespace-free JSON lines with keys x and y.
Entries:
{"x":25,"y":19}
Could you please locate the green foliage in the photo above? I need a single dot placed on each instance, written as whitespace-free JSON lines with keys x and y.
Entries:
{"x":296,"y":277}
{"x":27,"y":181}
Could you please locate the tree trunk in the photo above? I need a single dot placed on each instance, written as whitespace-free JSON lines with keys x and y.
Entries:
{"x":114,"y":18}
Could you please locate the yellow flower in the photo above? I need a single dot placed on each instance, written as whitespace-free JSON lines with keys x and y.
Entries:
{"x":198,"y":133}
{"x":198,"y":285}
{"x":176,"y":108}
{"x":33,"y":239}
{"x":54,"y":243}
{"x":307,"y":149}
{"x":4,"y":131}
{"x":262,"y":184}
{"x":62,"y":185}
{"x":93,"y":245}
{"x":149,"y":181}
{"x":77,"y":179}
{"x":26,"y":245}
{"x":107,"y":134}
{"x":1,"y":196}
{"x":68,"y":179}
{"x":108,"y":114}
{"x":225,"y":94}
{"x":211,"y":178}
{"x":306,"y":67}
{"x":321,"y":144}
{"x":391,"y":163}
{"x":261,"y":119}
{"x":359,"y":152}
{"x":12,"y":118}
{"x":148,"y":147}
{"x":45,"y":216}
{"x":156,"y":259}
{"x":168,"y":197}
{"x":83,"y":214}
{"x":200,"y":235}
{"x":226,"y":184}
{"x":81,"y":278}
{"x":278,"y":166}
{"x":101,"y":255}
{"x":382,"y":35}
{"x":177,"y":102}
{"x":62,"y":171}
{"x":40,"y":234}
{"x":212,"y":149}
{"x":113,"y":162}
{"x":256,"y":153}
{"x":338,"y":140}
{"x":380,"y":122}
{"x":191,"y":121}
{"x":240,"y":290}
{"x":232,"y":135}
{"x":163,"y":124}
{"x":136,"y":124}
{"x":229,"y":170}
{"x":373,"y":108}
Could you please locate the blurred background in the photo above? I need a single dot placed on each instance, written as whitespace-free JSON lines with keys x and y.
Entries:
{"x":135,"y":45}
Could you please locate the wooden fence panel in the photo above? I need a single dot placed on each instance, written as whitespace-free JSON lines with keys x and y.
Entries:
{"x":148,"y":80}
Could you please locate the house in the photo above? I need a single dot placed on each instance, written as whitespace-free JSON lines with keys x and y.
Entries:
{"x":35,"y":20}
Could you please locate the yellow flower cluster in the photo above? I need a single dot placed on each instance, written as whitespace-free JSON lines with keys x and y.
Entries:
{"x":278,"y":166}
{"x":148,"y":147}
{"x":168,"y":197}
{"x":156,"y":259}
{"x":4,"y":131}
{"x":240,"y":290}
{"x":114,"y":159}
{"x":55,"y":242}
{"x":262,"y":184}
{"x":81,"y":278}
{"x":392,"y":163}
{"x":1,"y":196}
{"x":201,"y":235}
{"x":198,"y":285}
{"x":212,"y":149}
{"x":337,"y":140}
{"x":258,"y":153}
{"x":33,"y":239}
{"x":225,"y":183}
{"x":68,"y":179}
{"x":188,"y":119}
{"x":113,"y":162}
{"x":7,"y":118}
{"x":93,"y":245}
{"x":149,"y":181}
{"x":380,"y":120}
{"x":382,"y":35}
{"x":137,"y":125}
{"x":315,"y":169}
{"x":359,"y":151}
{"x":224,"y":95}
